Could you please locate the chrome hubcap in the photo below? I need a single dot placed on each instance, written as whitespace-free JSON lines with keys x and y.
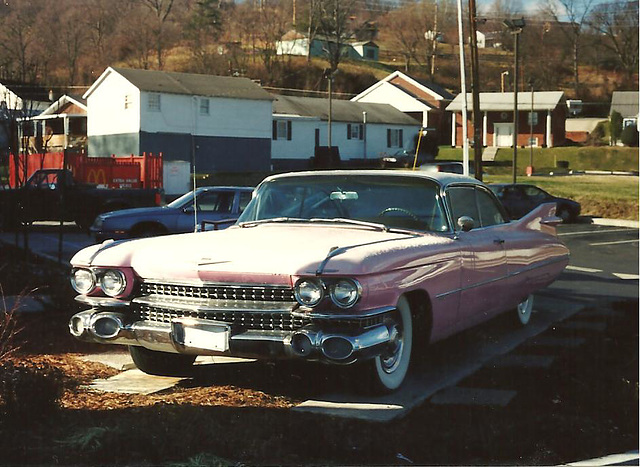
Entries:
{"x":391,"y":359}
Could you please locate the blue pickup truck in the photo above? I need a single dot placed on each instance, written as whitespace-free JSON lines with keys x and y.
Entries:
{"x":214,"y":204}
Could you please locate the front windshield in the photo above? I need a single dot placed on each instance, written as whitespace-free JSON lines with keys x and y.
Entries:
{"x":395,"y":201}
{"x":182,"y":201}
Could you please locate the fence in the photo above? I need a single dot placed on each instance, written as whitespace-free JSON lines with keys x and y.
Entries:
{"x":143,"y":171}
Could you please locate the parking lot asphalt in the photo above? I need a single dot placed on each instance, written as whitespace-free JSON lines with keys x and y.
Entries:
{"x":603,"y":267}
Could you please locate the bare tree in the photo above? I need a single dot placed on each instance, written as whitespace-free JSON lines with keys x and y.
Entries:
{"x":574,"y":14}
{"x":273,"y":22}
{"x":161,"y":10}
{"x":617,"y":27}
{"x":407,"y":27}
{"x":18,"y":37}
{"x":335,"y":26}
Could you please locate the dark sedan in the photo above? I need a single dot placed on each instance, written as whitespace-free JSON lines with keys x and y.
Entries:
{"x":210,"y":204}
{"x":520,"y":198}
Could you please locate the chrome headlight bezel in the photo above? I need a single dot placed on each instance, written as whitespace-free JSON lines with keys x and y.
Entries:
{"x":88,"y":276}
{"x":354,"y":291}
{"x":116,"y":277}
{"x":300,"y":293}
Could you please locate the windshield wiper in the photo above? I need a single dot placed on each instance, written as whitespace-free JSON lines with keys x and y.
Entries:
{"x":337,"y":220}
{"x":271,"y":220}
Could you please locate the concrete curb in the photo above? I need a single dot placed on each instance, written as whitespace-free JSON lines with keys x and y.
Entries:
{"x":615,"y":222}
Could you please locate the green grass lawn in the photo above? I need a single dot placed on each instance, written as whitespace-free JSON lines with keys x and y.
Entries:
{"x":545,"y":159}
{"x":600,"y":195}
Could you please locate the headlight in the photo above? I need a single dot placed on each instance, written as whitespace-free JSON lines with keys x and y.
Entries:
{"x":309,"y":292}
{"x":113,"y":282}
{"x":83,"y":281}
{"x":345,"y":293}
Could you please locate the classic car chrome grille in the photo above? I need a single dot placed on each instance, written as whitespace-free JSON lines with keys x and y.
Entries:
{"x":226,"y":292}
{"x":245,"y":319}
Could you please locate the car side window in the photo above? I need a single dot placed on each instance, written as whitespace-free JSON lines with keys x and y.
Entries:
{"x":463,"y":203}
{"x":245,"y":197}
{"x":534,"y":192}
{"x":490,"y":213}
{"x":215,"y":201}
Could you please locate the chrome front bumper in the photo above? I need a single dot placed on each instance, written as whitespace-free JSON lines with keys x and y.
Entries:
{"x":309,"y":342}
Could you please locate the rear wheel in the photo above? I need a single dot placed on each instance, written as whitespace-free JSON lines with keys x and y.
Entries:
{"x":386,"y":372}
{"x":161,"y":363}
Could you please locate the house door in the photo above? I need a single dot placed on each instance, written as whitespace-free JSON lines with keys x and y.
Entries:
{"x":503,"y":134}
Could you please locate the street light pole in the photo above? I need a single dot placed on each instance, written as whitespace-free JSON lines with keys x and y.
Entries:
{"x":530,"y":170}
{"x":515,"y":26}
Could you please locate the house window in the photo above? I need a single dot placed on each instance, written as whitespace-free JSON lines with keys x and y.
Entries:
{"x":355,"y":131}
{"x":127,"y":101}
{"x":204,"y":106}
{"x":394,"y":138}
{"x":154,"y":103}
{"x":532,"y":118}
{"x":281,"y":130}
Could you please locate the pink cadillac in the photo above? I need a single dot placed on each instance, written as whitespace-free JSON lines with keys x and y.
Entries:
{"x":345,"y":267}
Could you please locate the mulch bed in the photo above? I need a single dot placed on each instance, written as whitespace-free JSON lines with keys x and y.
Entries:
{"x":585,"y":405}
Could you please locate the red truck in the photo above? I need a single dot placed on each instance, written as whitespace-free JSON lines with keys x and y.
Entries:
{"x":86,"y":188}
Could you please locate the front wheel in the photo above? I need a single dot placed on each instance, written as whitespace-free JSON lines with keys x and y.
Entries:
{"x":161,"y":363}
{"x":387,"y":372}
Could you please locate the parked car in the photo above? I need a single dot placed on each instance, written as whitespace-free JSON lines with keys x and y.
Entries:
{"x":212,"y":204}
{"x":454,"y":167}
{"x":345,"y":267}
{"x":41,"y":199}
{"x":520,"y":198}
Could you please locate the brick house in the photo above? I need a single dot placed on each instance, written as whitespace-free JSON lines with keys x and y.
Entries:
{"x":546,"y":110}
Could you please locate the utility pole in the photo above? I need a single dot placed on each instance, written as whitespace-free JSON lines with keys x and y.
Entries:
{"x":463,"y":91}
{"x":475,"y":90}
{"x":515,"y":27}
{"x":434,"y":42}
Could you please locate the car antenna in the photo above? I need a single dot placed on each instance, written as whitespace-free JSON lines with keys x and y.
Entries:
{"x":193,"y":162}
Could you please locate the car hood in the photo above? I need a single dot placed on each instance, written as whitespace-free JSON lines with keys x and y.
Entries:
{"x":135,"y":212}
{"x":268,"y":253}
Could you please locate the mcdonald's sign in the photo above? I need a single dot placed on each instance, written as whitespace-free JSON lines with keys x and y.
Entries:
{"x":97,"y":176}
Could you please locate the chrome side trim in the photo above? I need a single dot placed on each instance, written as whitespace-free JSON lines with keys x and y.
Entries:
{"x":508,"y":276}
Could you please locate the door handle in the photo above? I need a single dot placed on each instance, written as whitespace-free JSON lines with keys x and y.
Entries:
{"x":498,"y":241}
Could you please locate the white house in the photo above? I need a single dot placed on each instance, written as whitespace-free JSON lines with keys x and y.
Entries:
{"x":60,"y":126}
{"x":222,"y":122}
{"x":360,"y":130}
{"x":423,"y":101}
{"x":295,"y":43}
{"x":626,"y":104}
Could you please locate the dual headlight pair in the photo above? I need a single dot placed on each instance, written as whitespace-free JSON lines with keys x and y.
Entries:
{"x":111,"y":281}
{"x":344,"y":293}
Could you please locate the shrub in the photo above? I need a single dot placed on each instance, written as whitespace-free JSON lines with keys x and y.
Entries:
{"x":615,"y":126}
{"x":596,"y":137}
{"x":629,"y":136}
{"x":30,"y":391}
{"x":9,"y":330}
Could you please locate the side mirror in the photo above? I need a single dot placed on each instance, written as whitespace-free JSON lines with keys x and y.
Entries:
{"x":466,"y":223}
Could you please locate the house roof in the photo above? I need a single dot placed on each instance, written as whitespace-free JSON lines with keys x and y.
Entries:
{"x":503,"y":101}
{"x":187,"y":84}
{"x":625,"y":103}
{"x":63,"y":101}
{"x":341,"y":111}
{"x":419,"y":89}
{"x":27,"y":91}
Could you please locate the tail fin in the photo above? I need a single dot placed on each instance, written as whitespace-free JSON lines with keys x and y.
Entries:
{"x":542,"y":218}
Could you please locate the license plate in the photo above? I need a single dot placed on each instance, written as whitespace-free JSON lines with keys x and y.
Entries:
{"x":206,"y":336}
